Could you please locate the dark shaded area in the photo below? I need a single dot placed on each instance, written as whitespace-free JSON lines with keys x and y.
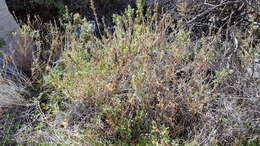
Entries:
{"x":22,"y":9}
{"x":51,"y":10}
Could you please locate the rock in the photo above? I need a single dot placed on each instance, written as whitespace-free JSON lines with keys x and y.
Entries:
{"x":7,"y":26}
{"x":7,"y":22}
{"x":15,"y":51}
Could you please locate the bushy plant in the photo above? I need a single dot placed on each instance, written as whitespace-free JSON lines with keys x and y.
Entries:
{"x":142,"y":83}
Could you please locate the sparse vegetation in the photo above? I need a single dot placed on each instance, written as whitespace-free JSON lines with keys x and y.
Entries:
{"x":144,"y":81}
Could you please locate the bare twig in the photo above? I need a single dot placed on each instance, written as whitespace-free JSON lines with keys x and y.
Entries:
{"x":210,"y":10}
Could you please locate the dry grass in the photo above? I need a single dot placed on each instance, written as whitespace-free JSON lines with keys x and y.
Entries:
{"x":9,"y":95}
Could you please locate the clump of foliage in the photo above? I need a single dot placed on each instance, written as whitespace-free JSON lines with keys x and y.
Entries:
{"x":142,"y":83}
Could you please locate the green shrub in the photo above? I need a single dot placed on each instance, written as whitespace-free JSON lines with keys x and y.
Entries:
{"x":142,"y":83}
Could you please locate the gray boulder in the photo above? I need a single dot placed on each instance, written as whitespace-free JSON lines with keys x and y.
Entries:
{"x":7,"y":26}
{"x":7,"y":22}
{"x":8,"y":42}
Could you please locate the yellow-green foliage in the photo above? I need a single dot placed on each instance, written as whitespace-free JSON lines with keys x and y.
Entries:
{"x":130,"y":72}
